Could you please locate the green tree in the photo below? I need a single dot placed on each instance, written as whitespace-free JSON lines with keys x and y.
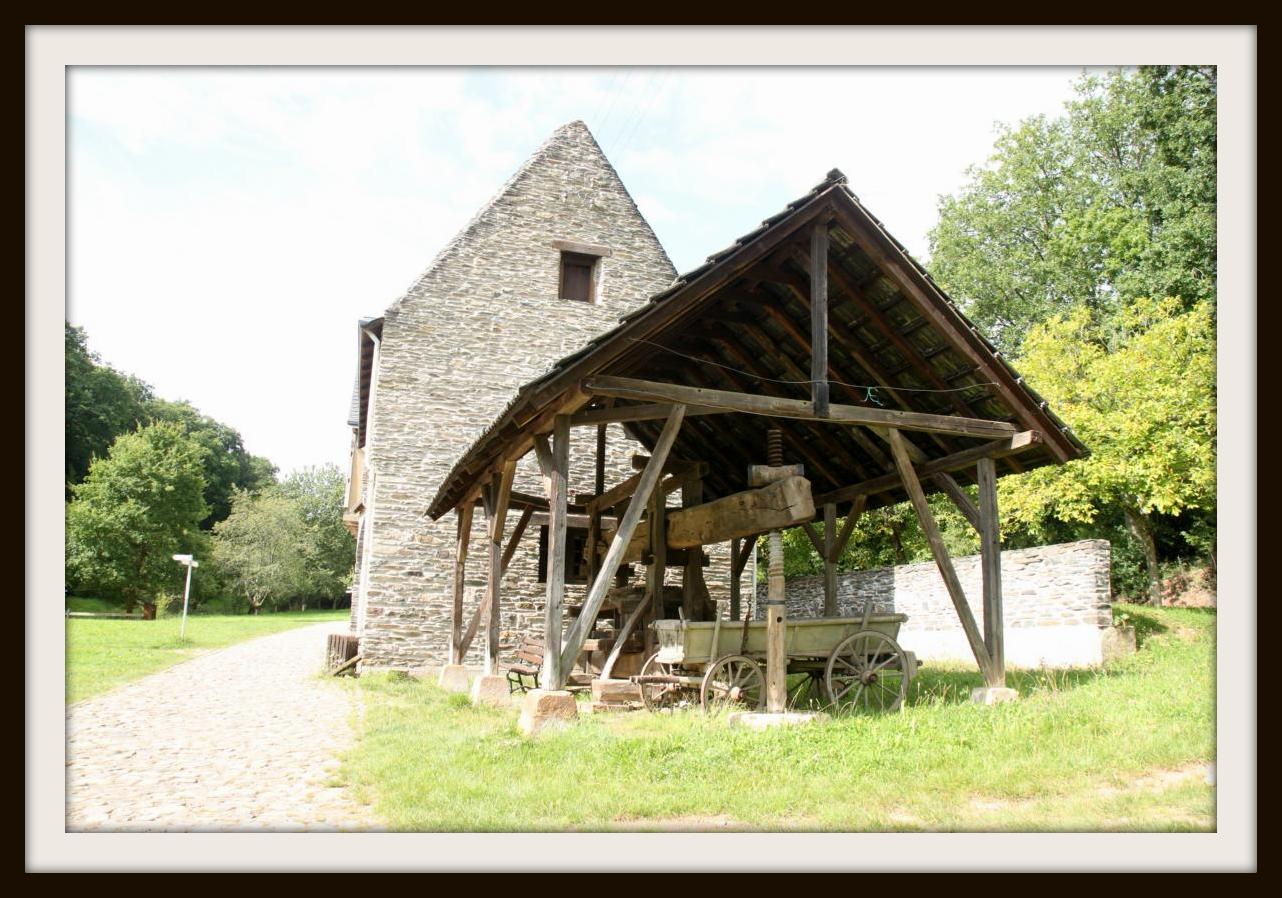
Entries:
{"x":132,"y":513}
{"x":261,"y":548}
{"x":319,"y":494}
{"x":100,"y":405}
{"x":228,"y":467}
{"x":1113,"y":200}
{"x":1140,"y":393}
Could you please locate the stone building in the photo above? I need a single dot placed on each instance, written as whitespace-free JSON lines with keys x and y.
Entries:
{"x":556,"y":257}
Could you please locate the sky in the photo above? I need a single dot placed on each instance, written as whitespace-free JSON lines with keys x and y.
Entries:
{"x":229,"y":226}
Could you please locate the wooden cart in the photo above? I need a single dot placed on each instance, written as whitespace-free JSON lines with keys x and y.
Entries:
{"x":835,"y":662}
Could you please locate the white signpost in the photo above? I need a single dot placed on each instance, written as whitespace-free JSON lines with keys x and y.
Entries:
{"x":190,"y":563}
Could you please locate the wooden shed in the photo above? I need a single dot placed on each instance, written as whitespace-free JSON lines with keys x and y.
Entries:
{"x":816,"y":340}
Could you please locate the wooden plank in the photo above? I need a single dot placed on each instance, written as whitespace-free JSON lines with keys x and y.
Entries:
{"x":614,"y":556}
{"x":990,"y":555}
{"x":515,"y":539}
{"x":559,"y":466}
{"x":1020,"y":442}
{"x":543,"y":454}
{"x":756,"y":404}
{"x":940,"y":552}
{"x":464,"y":537}
{"x":959,"y":497}
{"x":819,"y":319}
{"x":501,"y":493}
{"x":684,"y":473}
{"x":623,"y":414}
{"x":830,"y":559}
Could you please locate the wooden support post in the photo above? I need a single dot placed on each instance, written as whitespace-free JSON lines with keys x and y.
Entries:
{"x":819,"y":319}
{"x":692,"y":588}
{"x":830,"y":560}
{"x":464,"y":512}
{"x":990,"y":548}
{"x":737,"y":547}
{"x":658,"y":551}
{"x":559,"y":470}
{"x":776,"y":607}
{"x":515,"y":539}
{"x":940,"y":552}
{"x":500,"y":494}
{"x":614,"y":556}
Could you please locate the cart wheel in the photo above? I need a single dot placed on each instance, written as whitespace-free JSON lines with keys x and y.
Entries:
{"x":734,"y":683}
{"x":664,"y":696}
{"x":806,"y":691}
{"x":868,"y":672}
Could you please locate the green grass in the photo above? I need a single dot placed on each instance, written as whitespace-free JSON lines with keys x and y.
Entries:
{"x":1123,"y":748}
{"x":103,"y":654}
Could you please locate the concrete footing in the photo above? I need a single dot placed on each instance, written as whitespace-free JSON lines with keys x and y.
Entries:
{"x":491,"y":689}
{"x":993,"y":695}
{"x":545,"y":709}
{"x":763,"y":720}
{"x":453,"y":678}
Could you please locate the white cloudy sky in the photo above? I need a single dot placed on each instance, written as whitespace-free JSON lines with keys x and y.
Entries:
{"x":228,"y":226}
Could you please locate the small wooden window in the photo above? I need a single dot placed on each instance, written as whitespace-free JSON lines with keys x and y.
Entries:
{"x":576,"y":566}
{"x":578,"y":277}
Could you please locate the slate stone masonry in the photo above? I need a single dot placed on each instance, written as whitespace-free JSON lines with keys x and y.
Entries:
{"x":481,"y":321}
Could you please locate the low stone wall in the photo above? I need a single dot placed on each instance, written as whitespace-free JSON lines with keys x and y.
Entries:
{"x":1056,"y":600}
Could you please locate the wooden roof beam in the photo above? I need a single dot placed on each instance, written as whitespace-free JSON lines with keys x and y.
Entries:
{"x":769,"y":406}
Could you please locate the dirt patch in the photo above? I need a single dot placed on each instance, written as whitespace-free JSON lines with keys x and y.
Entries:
{"x":692,"y":823}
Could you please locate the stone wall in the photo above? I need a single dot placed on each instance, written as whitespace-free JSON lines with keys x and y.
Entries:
{"x":484,"y":319}
{"x":1056,"y":602}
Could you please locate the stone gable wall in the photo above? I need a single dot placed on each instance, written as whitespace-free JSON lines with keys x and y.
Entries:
{"x":484,"y":319}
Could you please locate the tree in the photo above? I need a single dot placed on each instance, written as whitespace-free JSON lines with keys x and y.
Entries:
{"x":100,"y":404}
{"x":1140,"y":393}
{"x":262,"y":548}
{"x":1114,"y":200}
{"x":227,"y":465}
{"x":132,"y":513}
{"x":319,"y":494}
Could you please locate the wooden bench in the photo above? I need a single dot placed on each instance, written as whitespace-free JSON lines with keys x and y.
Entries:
{"x":530,"y":655}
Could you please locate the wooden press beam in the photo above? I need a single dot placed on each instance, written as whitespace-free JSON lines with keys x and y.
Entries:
{"x":942,"y":560}
{"x":614,"y":556}
{"x":755,"y":404}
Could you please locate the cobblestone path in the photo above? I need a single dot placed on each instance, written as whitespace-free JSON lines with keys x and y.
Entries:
{"x":240,"y":739}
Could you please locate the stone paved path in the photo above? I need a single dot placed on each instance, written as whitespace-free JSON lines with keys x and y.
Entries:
{"x":239,"y":739}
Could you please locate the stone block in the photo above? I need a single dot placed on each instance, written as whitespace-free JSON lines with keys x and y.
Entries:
{"x":764,"y":720}
{"x":491,"y":689}
{"x":1116,"y":643}
{"x":545,"y":709}
{"x":993,"y":695}
{"x":615,"y":691}
{"x":453,"y":678}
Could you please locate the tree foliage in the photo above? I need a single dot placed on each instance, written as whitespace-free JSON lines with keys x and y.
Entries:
{"x":287,"y":542}
{"x":133,"y":512}
{"x":1140,"y":392}
{"x":100,"y":404}
{"x":1116,"y":199}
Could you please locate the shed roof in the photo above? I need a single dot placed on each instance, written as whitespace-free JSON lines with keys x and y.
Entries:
{"x":740,"y":322}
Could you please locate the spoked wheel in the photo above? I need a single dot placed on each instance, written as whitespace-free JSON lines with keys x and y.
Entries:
{"x":734,"y":683}
{"x":868,"y":672}
{"x":665,"y":696}
{"x":806,"y":691}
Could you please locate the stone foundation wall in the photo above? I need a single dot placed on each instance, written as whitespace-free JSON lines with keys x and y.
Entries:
{"x":1056,"y":600}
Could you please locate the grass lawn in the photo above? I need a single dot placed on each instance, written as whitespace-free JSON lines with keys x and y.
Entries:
{"x":1123,"y":748}
{"x":103,"y":654}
